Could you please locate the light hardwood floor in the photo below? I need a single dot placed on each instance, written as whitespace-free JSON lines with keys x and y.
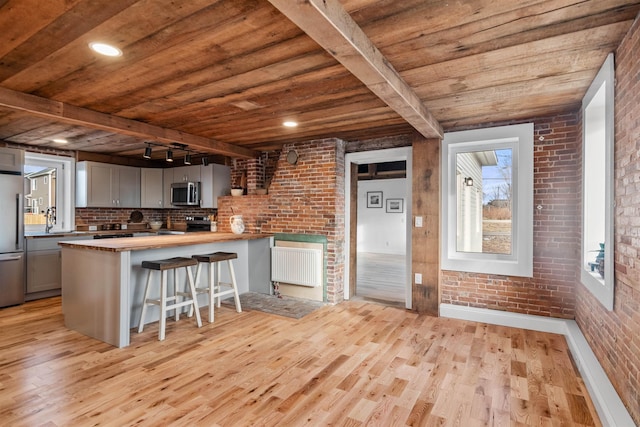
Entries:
{"x":381,"y":277}
{"x":353,"y":364}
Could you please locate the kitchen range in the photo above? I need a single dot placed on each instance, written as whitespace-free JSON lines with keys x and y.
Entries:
{"x":12,"y":236}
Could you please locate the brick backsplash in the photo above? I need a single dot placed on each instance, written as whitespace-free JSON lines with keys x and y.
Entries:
{"x":99,"y":216}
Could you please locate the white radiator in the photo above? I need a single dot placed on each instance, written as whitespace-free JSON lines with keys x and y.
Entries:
{"x":297,"y":266}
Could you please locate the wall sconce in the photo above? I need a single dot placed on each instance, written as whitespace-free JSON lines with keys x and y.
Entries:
{"x":147,"y":152}
{"x":187,"y":158}
{"x":468,"y":182}
{"x":169,"y":157}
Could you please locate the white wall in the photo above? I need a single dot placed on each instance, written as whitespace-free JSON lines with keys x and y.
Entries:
{"x":379,"y":231}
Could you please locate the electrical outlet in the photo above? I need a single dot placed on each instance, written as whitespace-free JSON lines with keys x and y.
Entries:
{"x":418,"y":279}
{"x":418,"y":221}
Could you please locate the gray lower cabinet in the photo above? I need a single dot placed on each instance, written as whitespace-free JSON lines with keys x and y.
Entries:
{"x":43,"y":270}
{"x":44,"y":266}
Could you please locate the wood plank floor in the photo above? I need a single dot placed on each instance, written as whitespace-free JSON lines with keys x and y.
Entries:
{"x":353,"y":364}
{"x":381,"y":277}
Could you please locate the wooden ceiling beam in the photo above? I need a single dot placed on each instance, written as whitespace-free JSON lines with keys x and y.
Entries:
{"x":66,"y":113}
{"x":326,"y":22}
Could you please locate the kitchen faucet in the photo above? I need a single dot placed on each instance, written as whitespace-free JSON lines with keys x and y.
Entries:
{"x":50,"y":218}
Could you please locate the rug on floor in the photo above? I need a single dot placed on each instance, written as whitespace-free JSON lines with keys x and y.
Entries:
{"x":296,"y":308}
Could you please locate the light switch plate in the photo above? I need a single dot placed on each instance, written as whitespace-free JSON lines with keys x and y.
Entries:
{"x":418,"y":221}
{"x":418,"y":279}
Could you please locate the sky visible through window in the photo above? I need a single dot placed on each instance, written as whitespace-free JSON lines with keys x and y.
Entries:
{"x":496,"y":180}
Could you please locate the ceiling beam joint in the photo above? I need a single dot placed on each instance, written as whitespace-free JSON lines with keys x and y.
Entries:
{"x":326,"y":22}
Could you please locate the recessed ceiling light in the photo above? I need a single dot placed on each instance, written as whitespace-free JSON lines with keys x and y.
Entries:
{"x":105,"y":49}
{"x":60,"y":141}
{"x":290,"y":124}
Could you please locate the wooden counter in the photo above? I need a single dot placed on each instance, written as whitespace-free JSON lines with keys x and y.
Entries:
{"x":160,"y":241}
{"x":103,"y":281}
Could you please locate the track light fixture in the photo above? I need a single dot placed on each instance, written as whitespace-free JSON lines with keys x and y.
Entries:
{"x":169,"y":153}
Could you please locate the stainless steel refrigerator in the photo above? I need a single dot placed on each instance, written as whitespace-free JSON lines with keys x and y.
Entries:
{"x":11,"y":227}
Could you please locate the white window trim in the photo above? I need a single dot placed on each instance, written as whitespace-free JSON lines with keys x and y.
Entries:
{"x":65,"y":189}
{"x":519,"y":138}
{"x":603,"y":290}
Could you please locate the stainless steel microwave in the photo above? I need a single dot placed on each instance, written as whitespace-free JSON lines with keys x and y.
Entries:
{"x":185,"y":194}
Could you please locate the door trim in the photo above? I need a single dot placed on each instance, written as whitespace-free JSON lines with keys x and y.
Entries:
{"x":378,"y":156}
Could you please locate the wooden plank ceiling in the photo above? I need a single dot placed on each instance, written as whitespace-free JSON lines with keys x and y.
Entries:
{"x":222,"y":76}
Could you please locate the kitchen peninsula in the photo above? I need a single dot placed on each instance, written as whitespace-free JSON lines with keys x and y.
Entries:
{"x":103,"y":282}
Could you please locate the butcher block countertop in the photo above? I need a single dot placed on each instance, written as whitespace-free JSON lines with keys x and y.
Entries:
{"x":159,"y":241}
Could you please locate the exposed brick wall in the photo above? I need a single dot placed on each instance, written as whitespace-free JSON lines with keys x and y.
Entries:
{"x":306,"y":198}
{"x":615,"y":336}
{"x":252,"y":169}
{"x":551,"y":290}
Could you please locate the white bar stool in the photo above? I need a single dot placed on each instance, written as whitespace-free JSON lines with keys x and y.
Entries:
{"x":163,"y":266}
{"x":214,"y":288}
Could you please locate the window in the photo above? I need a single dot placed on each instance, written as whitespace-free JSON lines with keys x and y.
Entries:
{"x":57,"y":172}
{"x":597,"y":185}
{"x":487,"y":200}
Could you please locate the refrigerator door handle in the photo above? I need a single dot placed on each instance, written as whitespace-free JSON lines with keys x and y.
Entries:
{"x":10,"y":257}
{"x":19,"y":220}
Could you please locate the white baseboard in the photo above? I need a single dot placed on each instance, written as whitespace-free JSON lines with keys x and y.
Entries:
{"x":611,"y":410}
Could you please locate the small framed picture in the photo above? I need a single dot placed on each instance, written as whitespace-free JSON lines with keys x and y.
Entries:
{"x":395,"y":205}
{"x":374,"y":199}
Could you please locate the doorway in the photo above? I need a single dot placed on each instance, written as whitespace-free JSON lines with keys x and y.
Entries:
{"x":377,"y":226}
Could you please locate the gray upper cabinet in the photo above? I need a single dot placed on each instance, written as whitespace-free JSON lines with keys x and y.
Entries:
{"x":102,"y":185}
{"x":151,"y":186}
{"x":11,"y":159}
{"x":167,"y":180}
{"x":187,"y":174}
{"x":105,"y":185}
{"x":216,"y":182}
